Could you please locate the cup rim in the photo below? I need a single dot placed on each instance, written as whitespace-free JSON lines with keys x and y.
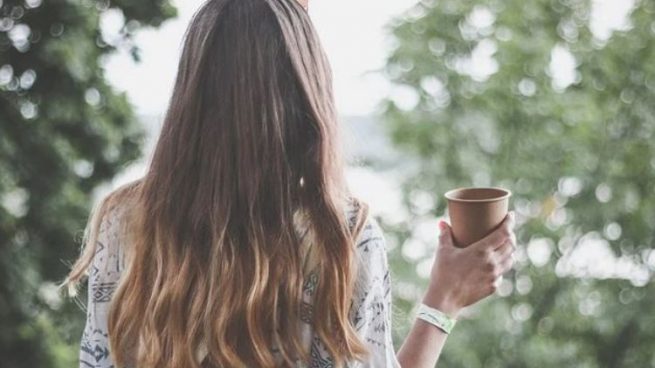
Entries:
{"x":449,"y":194}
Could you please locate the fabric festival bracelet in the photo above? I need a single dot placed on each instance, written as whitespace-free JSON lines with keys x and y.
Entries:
{"x":436,"y":317}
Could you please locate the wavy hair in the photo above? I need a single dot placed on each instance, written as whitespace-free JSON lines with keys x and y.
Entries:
{"x":249,"y":143}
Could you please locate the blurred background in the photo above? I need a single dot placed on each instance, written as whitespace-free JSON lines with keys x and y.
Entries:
{"x":554,"y":99}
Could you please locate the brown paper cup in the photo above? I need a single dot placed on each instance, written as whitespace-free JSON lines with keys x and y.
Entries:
{"x":475,"y":212}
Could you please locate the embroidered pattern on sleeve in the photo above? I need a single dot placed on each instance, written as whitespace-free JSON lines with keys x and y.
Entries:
{"x":370,"y":304}
{"x":103,"y":279}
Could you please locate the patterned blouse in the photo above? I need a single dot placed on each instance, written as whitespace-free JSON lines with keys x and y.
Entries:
{"x":370,"y":311}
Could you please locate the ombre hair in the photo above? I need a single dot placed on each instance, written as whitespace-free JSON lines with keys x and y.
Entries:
{"x":249,"y":145}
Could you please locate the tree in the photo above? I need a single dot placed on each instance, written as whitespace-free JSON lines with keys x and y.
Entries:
{"x":63,"y":131}
{"x":578,"y":154}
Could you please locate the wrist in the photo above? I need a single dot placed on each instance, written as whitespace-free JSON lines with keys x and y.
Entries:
{"x":436,"y":318}
{"x":440,"y":300}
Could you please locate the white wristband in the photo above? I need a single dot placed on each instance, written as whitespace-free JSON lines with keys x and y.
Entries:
{"x":436,"y":318}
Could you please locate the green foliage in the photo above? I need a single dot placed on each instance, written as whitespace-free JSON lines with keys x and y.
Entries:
{"x":63,"y":131}
{"x":579,"y":158}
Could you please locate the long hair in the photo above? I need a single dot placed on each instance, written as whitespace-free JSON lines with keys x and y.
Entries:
{"x":249,"y":143}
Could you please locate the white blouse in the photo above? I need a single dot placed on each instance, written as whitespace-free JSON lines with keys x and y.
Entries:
{"x":370,"y":311}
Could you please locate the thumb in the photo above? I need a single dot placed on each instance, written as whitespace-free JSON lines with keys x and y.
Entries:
{"x":445,"y":236}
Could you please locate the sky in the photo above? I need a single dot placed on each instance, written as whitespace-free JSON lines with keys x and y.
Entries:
{"x":354,"y":37}
{"x":352,"y":33}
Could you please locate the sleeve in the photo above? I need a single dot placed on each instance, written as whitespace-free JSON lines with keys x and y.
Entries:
{"x":372,"y":310}
{"x":102,"y":281}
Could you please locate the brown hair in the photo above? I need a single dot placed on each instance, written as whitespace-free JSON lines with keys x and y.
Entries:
{"x":249,"y":142}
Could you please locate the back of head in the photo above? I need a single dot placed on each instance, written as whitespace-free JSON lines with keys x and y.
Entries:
{"x":249,"y":142}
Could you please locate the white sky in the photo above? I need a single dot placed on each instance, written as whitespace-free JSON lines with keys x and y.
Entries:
{"x":351,"y":32}
{"x":353,"y":36}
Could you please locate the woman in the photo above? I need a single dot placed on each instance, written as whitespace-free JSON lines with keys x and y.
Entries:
{"x":241,"y":246}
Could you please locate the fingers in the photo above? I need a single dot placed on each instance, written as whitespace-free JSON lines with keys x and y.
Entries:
{"x":503,"y":258}
{"x":498,"y":237}
{"x":495,"y":274}
{"x":506,"y":265}
{"x":445,"y":236}
{"x":499,"y":262}
{"x":507,"y":248}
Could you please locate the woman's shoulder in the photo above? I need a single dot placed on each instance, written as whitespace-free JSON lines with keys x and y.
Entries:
{"x":370,"y":249}
{"x":115,"y":207}
{"x":363,"y":224}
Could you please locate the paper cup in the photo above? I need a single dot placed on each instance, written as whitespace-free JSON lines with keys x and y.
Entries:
{"x":476,"y":212}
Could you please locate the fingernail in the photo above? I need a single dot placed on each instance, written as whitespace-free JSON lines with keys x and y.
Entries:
{"x":442,"y":225}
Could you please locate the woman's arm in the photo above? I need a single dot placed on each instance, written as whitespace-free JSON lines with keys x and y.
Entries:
{"x":460,"y":277}
{"x":423,"y":344}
